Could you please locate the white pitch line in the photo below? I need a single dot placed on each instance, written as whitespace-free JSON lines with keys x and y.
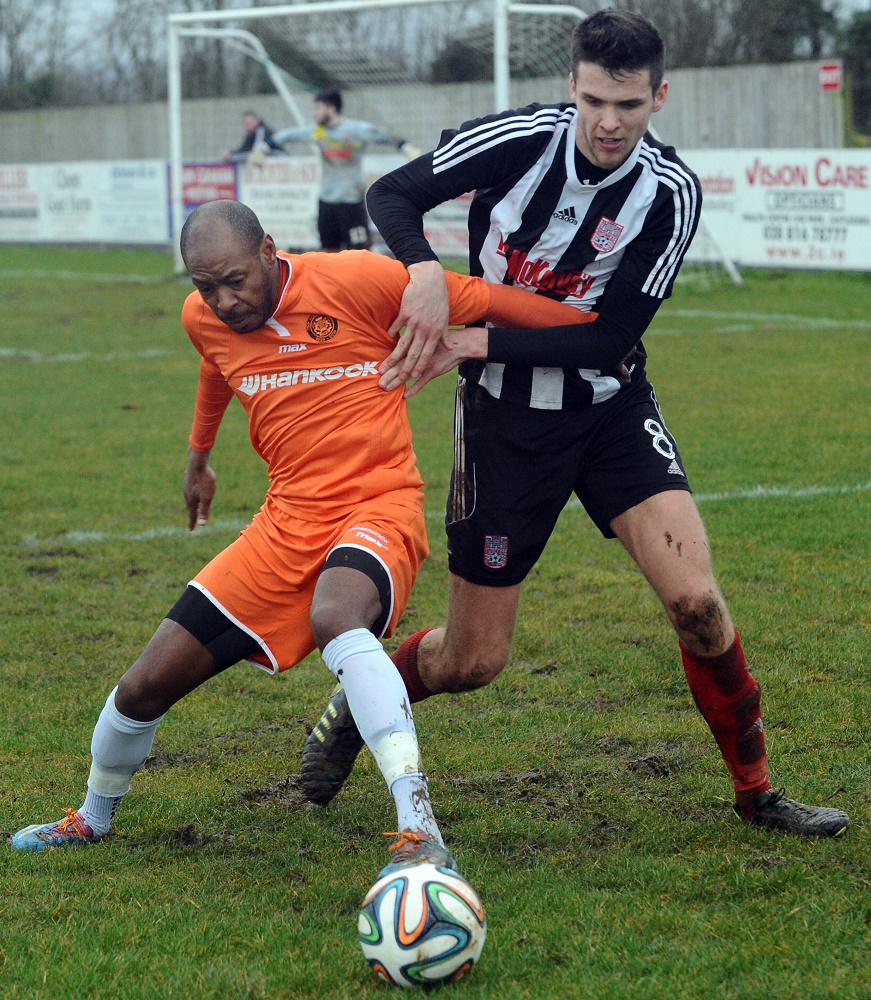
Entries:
{"x":787,"y":492}
{"x":35,"y":358}
{"x":815,"y":321}
{"x":769,"y":493}
{"x":218,"y":525}
{"x":127,"y":279}
{"x":149,"y":535}
{"x":146,"y":279}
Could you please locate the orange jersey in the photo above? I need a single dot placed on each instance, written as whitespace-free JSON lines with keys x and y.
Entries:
{"x":308,"y":379}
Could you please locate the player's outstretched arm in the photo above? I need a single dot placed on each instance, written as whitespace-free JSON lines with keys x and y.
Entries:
{"x":453,"y":348}
{"x":199,"y":487}
{"x":424,"y":313}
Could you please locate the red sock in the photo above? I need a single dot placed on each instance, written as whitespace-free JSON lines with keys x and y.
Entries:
{"x":729,"y":699}
{"x":405,"y":660}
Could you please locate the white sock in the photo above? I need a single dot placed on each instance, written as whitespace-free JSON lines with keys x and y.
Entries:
{"x":119,"y":747}
{"x":413,"y":806}
{"x":379,"y":703}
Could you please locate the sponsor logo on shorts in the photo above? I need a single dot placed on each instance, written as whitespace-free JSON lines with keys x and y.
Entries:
{"x":607,"y":233}
{"x":371,"y":536}
{"x":251,"y":384}
{"x":495,"y":551}
{"x":321,"y":328}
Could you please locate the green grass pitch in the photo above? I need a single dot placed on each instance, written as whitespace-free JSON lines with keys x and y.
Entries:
{"x":581,"y":792}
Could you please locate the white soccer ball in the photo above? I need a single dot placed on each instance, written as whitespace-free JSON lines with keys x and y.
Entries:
{"x":421,"y":924}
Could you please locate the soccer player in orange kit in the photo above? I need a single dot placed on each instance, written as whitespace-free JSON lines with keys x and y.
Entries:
{"x":330,"y":559}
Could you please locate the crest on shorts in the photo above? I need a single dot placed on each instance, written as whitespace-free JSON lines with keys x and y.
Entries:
{"x":322,"y":328}
{"x":495,"y":551}
{"x":607,"y":233}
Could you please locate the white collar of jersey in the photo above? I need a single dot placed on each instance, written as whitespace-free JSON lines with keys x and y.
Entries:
{"x":287,"y":277}
{"x":612,"y":178}
{"x":272,"y":322}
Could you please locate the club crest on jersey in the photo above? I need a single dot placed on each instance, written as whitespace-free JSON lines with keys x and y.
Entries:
{"x":495,"y":551}
{"x":607,"y":233}
{"x":322,"y":328}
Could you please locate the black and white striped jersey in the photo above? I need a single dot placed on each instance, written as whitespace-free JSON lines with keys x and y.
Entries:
{"x":544,"y":218}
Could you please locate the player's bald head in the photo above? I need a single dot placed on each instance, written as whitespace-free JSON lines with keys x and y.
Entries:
{"x":228,"y":222}
{"x":233,"y":264}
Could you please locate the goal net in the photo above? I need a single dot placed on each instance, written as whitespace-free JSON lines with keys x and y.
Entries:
{"x":415,"y":66}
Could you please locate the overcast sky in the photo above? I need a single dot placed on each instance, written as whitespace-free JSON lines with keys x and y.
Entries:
{"x":88,"y":7}
{"x":85,"y":10}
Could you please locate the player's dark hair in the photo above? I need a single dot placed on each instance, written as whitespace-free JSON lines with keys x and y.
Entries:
{"x":331,"y":97}
{"x":620,"y":41}
{"x":236,"y":216}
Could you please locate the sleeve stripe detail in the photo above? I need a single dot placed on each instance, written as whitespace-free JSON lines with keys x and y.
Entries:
{"x":490,"y":133}
{"x":686,"y":211}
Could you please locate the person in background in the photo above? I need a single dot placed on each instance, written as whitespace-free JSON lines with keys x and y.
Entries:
{"x":258,"y":136}
{"x":343,"y":223}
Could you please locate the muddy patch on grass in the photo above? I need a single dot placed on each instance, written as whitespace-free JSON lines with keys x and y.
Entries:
{"x":189,"y":836}
{"x":652,"y":765}
{"x":187,"y":758}
{"x":60,"y":553}
{"x":552,"y":794}
{"x":238,"y":743}
{"x":286,"y":793}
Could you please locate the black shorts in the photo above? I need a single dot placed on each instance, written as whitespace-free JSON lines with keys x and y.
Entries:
{"x":515,"y":468}
{"x":343,"y":226}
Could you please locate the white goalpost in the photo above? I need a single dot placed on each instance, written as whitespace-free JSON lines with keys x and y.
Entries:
{"x":207,"y":24}
{"x":354,"y":45}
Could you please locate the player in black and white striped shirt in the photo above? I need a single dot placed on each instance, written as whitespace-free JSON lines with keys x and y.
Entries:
{"x":548,"y":218}
{"x":578,"y":202}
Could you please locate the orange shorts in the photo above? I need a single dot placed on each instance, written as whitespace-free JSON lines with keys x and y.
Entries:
{"x":265,"y":580}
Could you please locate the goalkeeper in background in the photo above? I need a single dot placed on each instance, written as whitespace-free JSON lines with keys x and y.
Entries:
{"x":343,"y":223}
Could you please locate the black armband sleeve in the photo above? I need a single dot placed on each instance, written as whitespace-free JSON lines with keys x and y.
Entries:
{"x":624,"y":315}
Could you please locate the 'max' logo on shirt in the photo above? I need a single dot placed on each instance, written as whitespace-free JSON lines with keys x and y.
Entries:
{"x":539,"y":274}
{"x":252,"y":384}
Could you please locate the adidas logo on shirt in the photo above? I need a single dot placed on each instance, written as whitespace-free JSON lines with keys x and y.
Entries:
{"x":674,"y":469}
{"x":566,"y":215}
